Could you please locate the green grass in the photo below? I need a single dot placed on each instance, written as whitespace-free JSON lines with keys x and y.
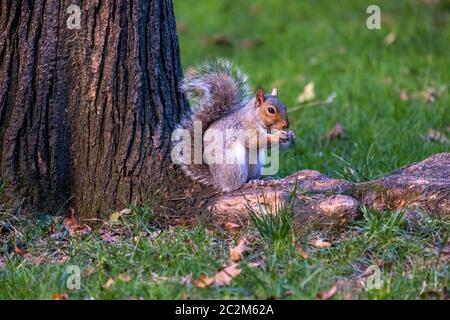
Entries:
{"x":286,"y":44}
{"x":161,"y":264}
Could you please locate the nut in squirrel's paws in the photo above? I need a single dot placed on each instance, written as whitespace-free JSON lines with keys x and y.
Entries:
{"x":287,"y":139}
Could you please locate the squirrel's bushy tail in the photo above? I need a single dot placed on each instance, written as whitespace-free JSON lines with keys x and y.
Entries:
{"x":216,"y":89}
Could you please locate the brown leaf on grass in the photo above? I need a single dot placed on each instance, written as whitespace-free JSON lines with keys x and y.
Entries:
{"x":70,"y":223}
{"x":219,"y":40}
{"x":108,"y":284}
{"x":114,"y":217}
{"x":404,"y":96}
{"x":319,"y":243}
{"x":390,"y":38}
{"x":108,"y":237}
{"x":221,"y":278}
{"x":191,"y":244}
{"x":325,"y":295}
{"x":184,"y":221}
{"x":125,"y":212}
{"x":301,"y":252}
{"x":88,"y":271}
{"x":429,"y":95}
{"x":232,"y":227}
{"x":336,"y":132}
{"x":59,"y":296}
{"x":19,"y":250}
{"x":203,"y":282}
{"x":124,"y":277}
{"x":236,"y":252}
{"x":63,"y":259}
{"x":51,"y":229}
{"x":225,"y":276}
{"x":251,"y":43}
{"x":307,"y":94}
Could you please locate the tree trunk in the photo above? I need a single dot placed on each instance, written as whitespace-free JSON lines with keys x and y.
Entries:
{"x":86,"y":114}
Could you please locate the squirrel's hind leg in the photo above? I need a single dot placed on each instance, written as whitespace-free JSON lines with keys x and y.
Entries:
{"x":229,"y":177}
{"x":235,"y":172}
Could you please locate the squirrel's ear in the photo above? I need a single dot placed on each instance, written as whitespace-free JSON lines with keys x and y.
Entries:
{"x":274,"y":92}
{"x":259,"y":97}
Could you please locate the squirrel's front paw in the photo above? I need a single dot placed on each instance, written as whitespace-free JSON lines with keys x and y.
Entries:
{"x":287,"y":138}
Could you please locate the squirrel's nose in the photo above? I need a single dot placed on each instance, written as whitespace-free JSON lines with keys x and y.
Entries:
{"x":286,"y":124}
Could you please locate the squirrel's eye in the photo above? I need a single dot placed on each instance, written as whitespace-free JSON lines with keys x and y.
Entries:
{"x":271,"y":110}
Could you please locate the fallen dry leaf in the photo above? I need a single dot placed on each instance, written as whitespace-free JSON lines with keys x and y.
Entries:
{"x":225,"y":276}
{"x":301,"y":252}
{"x":124,"y":277}
{"x":125,"y":212}
{"x":251,"y":43}
{"x":203,"y":282}
{"x":221,"y":278}
{"x":70,"y":223}
{"x":236,"y":252}
{"x":319,"y":243}
{"x":59,"y":296}
{"x":404,"y":96}
{"x":307,"y":94}
{"x":88,"y":271}
{"x":63,"y":259}
{"x":390,"y":38}
{"x":108,"y":283}
{"x":19,"y":250}
{"x":429,"y":95}
{"x":232,"y":227}
{"x":191,"y":244}
{"x":51,"y":229}
{"x":220,"y":40}
{"x":115,"y":217}
{"x":108,"y":237}
{"x":336,"y":132}
{"x":325,"y":295}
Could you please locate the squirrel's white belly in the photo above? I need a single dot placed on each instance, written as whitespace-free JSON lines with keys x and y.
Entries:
{"x":245,"y":157}
{"x":254,"y":171}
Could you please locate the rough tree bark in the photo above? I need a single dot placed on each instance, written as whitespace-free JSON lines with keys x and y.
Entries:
{"x":86,"y":114}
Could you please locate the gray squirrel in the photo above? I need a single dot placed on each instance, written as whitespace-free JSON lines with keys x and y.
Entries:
{"x":223,"y":102}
